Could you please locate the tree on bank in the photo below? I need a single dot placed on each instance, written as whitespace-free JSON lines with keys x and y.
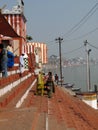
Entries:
{"x":29,"y":38}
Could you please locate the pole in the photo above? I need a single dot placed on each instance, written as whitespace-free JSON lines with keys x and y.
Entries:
{"x":60,"y":40}
{"x":89,"y":81}
{"x":88,"y":66}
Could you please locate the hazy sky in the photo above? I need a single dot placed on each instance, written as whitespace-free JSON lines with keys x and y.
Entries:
{"x":73,"y":20}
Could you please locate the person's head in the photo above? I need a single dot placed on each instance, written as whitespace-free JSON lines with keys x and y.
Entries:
{"x":10,"y":45}
{"x":50,"y":73}
{"x":22,"y":54}
{"x":39,"y":72}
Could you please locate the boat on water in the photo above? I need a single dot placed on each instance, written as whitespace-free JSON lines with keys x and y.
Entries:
{"x":68,"y":85}
{"x":75,"y":89}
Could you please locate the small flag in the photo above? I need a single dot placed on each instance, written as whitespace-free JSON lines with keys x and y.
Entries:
{"x":22,"y":2}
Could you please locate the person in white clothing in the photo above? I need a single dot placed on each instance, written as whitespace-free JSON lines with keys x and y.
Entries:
{"x":21,"y":64}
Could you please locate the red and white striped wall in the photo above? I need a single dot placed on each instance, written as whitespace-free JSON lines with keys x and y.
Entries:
{"x":30,"y":48}
{"x":18,"y":23}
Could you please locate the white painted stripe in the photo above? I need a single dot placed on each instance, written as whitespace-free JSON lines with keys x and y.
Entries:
{"x":16,"y":64}
{"x":19,"y":103}
{"x":18,"y":27}
{"x":9,"y":19}
{"x":46,"y":121}
{"x":9,"y":87}
{"x":13,"y":21}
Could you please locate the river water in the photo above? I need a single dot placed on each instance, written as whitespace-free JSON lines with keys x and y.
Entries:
{"x":78,"y":76}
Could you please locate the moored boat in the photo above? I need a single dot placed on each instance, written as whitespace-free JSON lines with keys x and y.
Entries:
{"x":68,"y":85}
{"x":76,"y":89}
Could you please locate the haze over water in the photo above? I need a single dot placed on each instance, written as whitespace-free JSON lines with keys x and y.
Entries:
{"x":78,"y":76}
